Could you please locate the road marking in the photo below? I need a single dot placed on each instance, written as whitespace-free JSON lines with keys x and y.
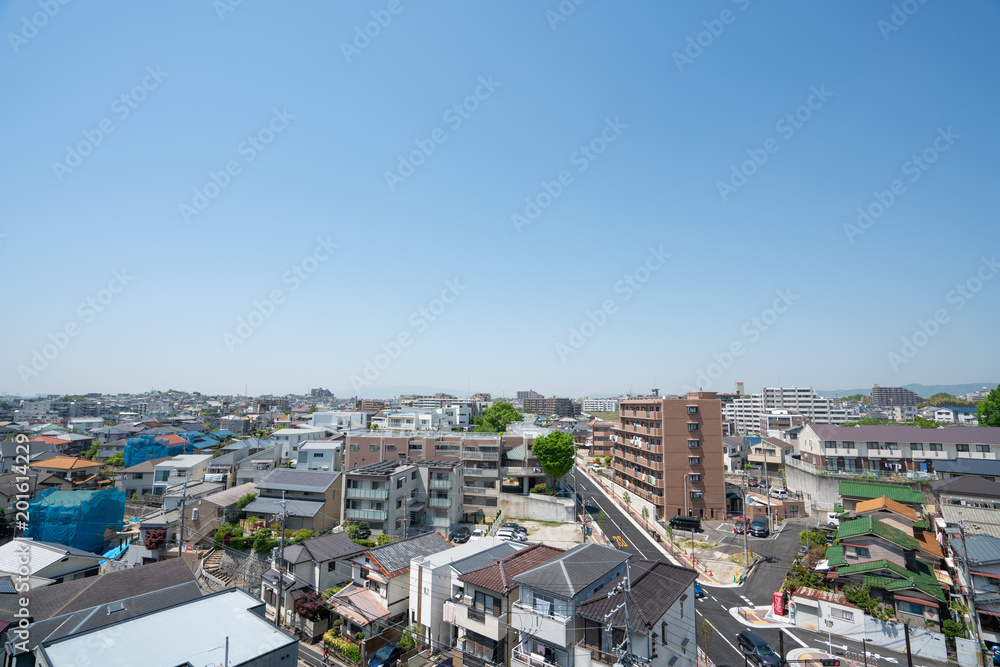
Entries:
{"x":724,"y":607}
{"x":620,"y":541}
{"x":713,"y":597}
{"x":724,"y":638}
{"x":746,"y":599}
{"x":801,"y":643}
{"x":615,"y":524}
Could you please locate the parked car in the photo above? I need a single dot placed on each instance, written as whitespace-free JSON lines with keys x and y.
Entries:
{"x":386,"y":656}
{"x":758,"y":527}
{"x":762,"y":484}
{"x":514,"y":526}
{"x":740,"y":525}
{"x":832,"y":519}
{"x":780,"y":494}
{"x":460,"y":536}
{"x":477,"y":533}
{"x":691,"y":523}
{"x":752,"y":482}
{"x":756,"y":650}
{"x":512,"y":535}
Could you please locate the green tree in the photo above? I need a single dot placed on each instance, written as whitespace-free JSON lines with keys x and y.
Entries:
{"x":245,"y":500}
{"x":407,"y":642}
{"x":312,"y":408}
{"x":988,"y":412}
{"x":263,"y":541}
{"x":645,"y":514}
{"x":555,"y":452}
{"x":627,"y":499}
{"x":384,"y":538}
{"x":707,"y":636}
{"x":670,"y":533}
{"x":117,"y":461}
{"x":496,"y":418}
{"x":601,"y":520}
{"x":91,"y":452}
{"x":358,"y":531}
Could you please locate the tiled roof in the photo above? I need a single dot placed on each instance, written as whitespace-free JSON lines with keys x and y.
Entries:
{"x":988,"y":467}
{"x":395,"y":557}
{"x":983,"y":549}
{"x":332,"y":546}
{"x":901,"y":433}
{"x":871,"y":526}
{"x":290,"y":479}
{"x":883,"y":503}
{"x":897,"y":492}
{"x":835,"y":556}
{"x":574,"y":571}
{"x":66,"y":463}
{"x":890,"y":584}
{"x":968,"y":485}
{"x":498,"y":576}
{"x":655,"y":587}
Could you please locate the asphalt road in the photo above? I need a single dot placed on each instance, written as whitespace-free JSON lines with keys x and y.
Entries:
{"x":778,"y":551}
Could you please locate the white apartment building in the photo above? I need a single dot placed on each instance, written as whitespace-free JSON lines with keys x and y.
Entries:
{"x":84,"y":424}
{"x":600,"y":405}
{"x":901,"y":413}
{"x":289,"y":439}
{"x":320,"y":455}
{"x":177,"y":470}
{"x":746,"y":413}
{"x":341,"y":420}
{"x":455,"y":416}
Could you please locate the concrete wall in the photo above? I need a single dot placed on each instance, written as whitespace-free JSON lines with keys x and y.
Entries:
{"x":537,"y":507}
{"x":825,"y":489}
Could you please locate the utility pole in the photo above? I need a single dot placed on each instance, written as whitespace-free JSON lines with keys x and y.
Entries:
{"x":767,"y":482}
{"x":180,"y":535}
{"x":906,"y":634}
{"x":624,"y":650}
{"x":226,"y":663}
{"x":781,"y":646}
{"x":281,"y":562}
{"x":972,"y":586}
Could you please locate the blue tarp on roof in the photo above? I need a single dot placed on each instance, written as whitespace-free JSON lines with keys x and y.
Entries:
{"x":222,"y":434}
{"x":78,"y":519}
{"x":146,"y":448}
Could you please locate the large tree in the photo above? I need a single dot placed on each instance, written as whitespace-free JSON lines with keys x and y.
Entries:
{"x":497,"y":417}
{"x":556,"y":452}
{"x":989,"y":409}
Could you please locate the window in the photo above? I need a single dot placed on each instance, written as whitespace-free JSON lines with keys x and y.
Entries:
{"x":663,"y":633}
{"x":692,"y":409}
{"x":390,"y":448}
{"x":984,"y":449}
{"x":847,"y":444}
{"x":910,"y":607}
{"x":373,"y":448}
{"x":354,"y":448}
{"x":317,"y":455}
{"x":916,"y":446}
{"x":137,"y":475}
{"x":962,"y":448}
{"x":694,"y":478}
{"x":692,"y":426}
{"x":694,"y":460}
{"x":544,"y":604}
{"x":693,"y":443}
{"x":891,"y":446}
{"x":399,"y":503}
{"x":842,"y":614}
{"x":696,"y":494}
{"x":936,"y":447}
{"x":399,"y":482}
{"x":413,"y":475}
{"x":862,"y":552}
{"x":331,"y":566}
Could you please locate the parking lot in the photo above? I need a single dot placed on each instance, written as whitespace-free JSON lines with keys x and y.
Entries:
{"x":562,"y":535}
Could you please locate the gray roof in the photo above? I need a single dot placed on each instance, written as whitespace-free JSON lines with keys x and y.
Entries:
{"x":249,"y":443}
{"x":8,"y":448}
{"x":970,"y":435}
{"x":396,"y":556}
{"x":306,"y":508}
{"x":977,"y":519}
{"x":983,"y":549}
{"x":290,"y":479}
{"x":574,"y":571}
{"x":988,"y":467}
{"x":334,"y":546}
{"x":231,"y":495}
{"x":970,"y":485}
{"x":485,"y":557}
{"x":655,"y":586}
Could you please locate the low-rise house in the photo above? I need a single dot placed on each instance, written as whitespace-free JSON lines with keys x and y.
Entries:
{"x":177,"y":470}
{"x":82,"y":474}
{"x":661,"y":623}
{"x":256,"y":467}
{"x":967,"y":491}
{"x":223,"y":468}
{"x":289,"y":439}
{"x":477,"y":616}
{"x":46,"y":562}
{"x":320,"y":455}
{"x":378,"y":596}
{"x":10,"y":450}
{"x":137,"y":480}
{"x":205,"y":513}
{"x":545,"y":618}
{"x":311,"y":499}
{"x":978,"y":578}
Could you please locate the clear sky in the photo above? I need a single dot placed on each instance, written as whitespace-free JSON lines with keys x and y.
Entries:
{"x":582,"y":200}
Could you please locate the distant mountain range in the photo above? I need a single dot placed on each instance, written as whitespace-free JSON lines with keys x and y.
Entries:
{"x":924,"y":390}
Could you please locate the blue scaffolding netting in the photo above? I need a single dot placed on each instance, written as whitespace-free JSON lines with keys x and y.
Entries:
{"x":79,"y":519}
{"x":146,"y":448}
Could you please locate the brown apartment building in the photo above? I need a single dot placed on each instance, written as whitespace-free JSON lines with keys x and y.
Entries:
{"x":668,"y":450}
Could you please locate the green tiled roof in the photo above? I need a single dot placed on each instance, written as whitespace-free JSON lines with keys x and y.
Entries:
{"x":923,"y":573}
{"x":870,"y":525}
{"x":902,"y":584}
{"x":920,"y":524}
{"x":869,"y":490}
{"x":835,"y":555}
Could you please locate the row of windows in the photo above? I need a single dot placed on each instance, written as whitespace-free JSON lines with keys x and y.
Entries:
{"x":893,"y":446}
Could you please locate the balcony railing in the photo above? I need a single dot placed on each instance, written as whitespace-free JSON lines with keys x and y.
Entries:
{"x":441,"y":483}
{"x":531,"y":659}
{"x":928,"y":454}
{"x":481,"y":472}
{"x":440,"y":502}
{"x":474,"y":490}
{"x":597,"y":655}
{"x":518,"y":471}
{"x":558,"y":618}
{"x":368,"y":515}
{"x":977,"y":455}
{"x":377,"y":494}
{"x":480,"y":456}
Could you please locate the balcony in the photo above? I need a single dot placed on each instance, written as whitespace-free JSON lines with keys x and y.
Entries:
{"x":480,"y":456}
{"x":596,"y":654}
{"x":480,"y":501}
{"x":440,"y":502}
{"x":521,"y":659}
{"x":839,"y":451}
{"x":977,"y":455}
{"x":482,"y":472}
{"x":440,"y":483}
{"x":478,"y":621}
{"x":520,"y":471}
{"x":474,"y":490}
{"x":894,"y":454}
{"x":367,"y":515}
{"x":377,"y":494}
{"x":927,"y":454}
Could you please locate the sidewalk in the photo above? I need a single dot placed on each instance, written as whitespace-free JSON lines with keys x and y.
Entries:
{"x":706,"y":575}
{"x":761,"y":617}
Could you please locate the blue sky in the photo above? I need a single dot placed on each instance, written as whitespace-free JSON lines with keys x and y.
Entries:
{"x":325,"y":115}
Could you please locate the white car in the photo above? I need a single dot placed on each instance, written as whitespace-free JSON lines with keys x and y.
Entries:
{"x":511,"y":535}
{"x":476,"y":534}
{"x":780,"y":494}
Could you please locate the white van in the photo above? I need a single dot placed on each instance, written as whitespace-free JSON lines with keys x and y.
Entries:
{"x":831,"y":519}
{"x":780,"y":494}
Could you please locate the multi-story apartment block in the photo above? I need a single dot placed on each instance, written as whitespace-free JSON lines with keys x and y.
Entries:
{"x":544,"y":617}
{"x":886,"y":396}
{"x":562,"y":407}
{"x":600,"y":405}
{"x":901,"y":413}
{"x":531,"y":393}
{"x":978,"y":395}
{"x":433,"y":419}
{"x":269,"y":404}
{"x":602,"y":443}
{"x":906,"y":450}
{"x":289,"y":439}
{"x":485,"y":458}
{"x":746,"y":413}
{"x":398,"y":497}
{"x":341,"y":420}
{"x":668,"y":450}
{"x":774,"y":421}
